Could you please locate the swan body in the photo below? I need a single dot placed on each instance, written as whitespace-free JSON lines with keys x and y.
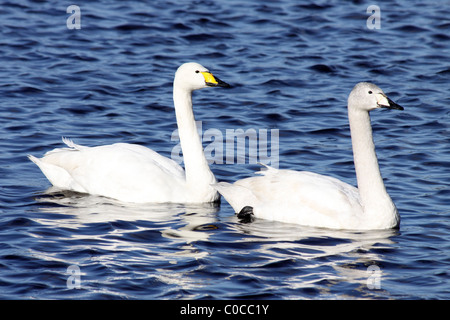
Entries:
{"x":133,"y":173}
{"x":312,"y":199}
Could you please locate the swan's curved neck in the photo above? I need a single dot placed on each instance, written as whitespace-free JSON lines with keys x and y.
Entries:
{"x":198,"y":173}
{"x":371,"y":188}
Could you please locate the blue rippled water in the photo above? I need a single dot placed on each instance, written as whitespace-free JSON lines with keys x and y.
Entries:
{"x":292,"y":65}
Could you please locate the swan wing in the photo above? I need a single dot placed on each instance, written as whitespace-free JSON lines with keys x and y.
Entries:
{"x":126,"y":172}
{"x":295,"y":197}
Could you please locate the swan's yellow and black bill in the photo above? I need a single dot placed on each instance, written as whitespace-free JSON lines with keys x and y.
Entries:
{"x":384,"y":102}
{"x":212,"y":81}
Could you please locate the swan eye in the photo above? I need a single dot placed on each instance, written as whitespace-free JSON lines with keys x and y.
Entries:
{"x":370,"y":92}
{"x":196,"y":71}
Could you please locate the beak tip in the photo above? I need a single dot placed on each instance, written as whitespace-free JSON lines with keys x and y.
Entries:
{"x":392,"y":105}
{"x":212,"y":81}
{"x":219,"y":84}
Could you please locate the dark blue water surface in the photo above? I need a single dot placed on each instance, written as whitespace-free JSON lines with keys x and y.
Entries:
{"x":292,"y":65}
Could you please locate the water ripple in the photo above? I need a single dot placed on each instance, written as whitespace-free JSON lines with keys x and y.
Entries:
{"x":291,"y":66}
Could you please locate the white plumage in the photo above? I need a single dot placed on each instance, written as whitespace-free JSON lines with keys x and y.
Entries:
{"x":311,"y":199}
{"x":134,"y":173}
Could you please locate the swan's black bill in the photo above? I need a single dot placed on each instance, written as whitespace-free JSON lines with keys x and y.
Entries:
{"x":212,"y":81}
{"x":392,"y":105}
{"x":218,"y":83}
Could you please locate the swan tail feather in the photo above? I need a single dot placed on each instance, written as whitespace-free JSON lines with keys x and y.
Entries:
{"x":266,"y":170}
{"x":57,"y":176}
{"x":72,"y":145}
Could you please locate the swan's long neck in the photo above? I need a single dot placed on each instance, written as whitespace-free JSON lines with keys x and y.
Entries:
{"x":374,"y":198}
{"x":198,"y":174}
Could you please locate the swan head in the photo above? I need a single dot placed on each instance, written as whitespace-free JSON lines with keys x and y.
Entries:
{"x":193,"y":76}
{"x":368,"y":96}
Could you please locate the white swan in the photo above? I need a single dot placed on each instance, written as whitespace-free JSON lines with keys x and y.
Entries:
{"x":315,"y":200}
{"x":133,"y":173}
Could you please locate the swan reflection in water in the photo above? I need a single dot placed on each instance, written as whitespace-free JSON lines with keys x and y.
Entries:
{"x":320,"y":257}
{"x":82,"y":209}
{"x":176,"y":234}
